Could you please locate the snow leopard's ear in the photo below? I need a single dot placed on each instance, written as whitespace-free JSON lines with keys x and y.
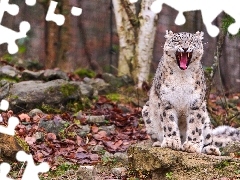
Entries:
{"x":199,"y":35}
{"x":169,"y":34}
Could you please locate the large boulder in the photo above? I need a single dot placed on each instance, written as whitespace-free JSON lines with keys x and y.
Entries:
{"x":31,"y":94}
{"x":157,"y":163}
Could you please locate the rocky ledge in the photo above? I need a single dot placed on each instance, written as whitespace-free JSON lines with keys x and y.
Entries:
{"x":162,"y":163}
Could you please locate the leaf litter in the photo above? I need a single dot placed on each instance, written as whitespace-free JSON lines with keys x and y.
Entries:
{"x":129,"y":129}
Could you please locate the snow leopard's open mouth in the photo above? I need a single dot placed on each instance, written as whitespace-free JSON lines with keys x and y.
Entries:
{"x":183,"y":59}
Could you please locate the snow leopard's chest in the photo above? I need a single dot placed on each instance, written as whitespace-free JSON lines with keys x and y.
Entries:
{"x":181,"y":89}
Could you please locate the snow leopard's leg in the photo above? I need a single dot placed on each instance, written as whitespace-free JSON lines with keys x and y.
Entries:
{"x":194,"y":135}
{"x":169,"y":122}
{"x":209,"y":147}
{"x":151,"y":117}
{"x":199,"y":133}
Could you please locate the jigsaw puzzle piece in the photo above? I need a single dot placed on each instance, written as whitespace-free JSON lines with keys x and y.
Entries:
{"x":76,"y":11}
{"x":31,"y":170}
{"x":10,"y":129}
{"x":4,"y":170}
{"x":234,"y":27}
{"x":180,"y":19}
{"x":9,"y":36}
{"x":12,"y":9}
{"x":4,"y":105}
{"x":59,"y":19}
{"x":30,"y":2}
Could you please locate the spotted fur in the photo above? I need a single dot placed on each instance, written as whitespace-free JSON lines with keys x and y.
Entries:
{"x":175,"y":115}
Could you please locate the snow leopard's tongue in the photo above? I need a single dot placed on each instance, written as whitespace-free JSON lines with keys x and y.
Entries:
{"x":183,"y":61}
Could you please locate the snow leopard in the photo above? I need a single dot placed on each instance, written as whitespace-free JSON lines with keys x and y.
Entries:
{"x":176,"y":115}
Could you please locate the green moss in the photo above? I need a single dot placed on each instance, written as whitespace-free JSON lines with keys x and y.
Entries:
{"x":60,"y":170}
{"x":68,"y":89}
{"x":74,"y":106}
{"x":49,"y":109}
{"x":9,"y":79}
{"x":77,"y":105}
{"x":22,"y":143}
{"x":113,"y":97}
{"x":85,"y":73}
{"x":12,"y":97}
{"x":222,"y":164}
{"x":169,"y":175}
{"x":226,"y":22}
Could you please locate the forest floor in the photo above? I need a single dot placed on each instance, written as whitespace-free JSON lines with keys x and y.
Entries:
{"x":66,"y":151}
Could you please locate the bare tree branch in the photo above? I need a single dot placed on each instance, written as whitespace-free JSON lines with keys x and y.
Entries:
{"x":131,"y":15}
{"x":217,"y":56}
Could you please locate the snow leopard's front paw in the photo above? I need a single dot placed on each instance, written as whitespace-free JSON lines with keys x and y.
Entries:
{"x":192,"y":147}
{"x":211,"y":150}
{"x":173,"y":143}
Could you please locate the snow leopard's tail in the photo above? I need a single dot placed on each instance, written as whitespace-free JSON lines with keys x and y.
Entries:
{"x":224,"y":135}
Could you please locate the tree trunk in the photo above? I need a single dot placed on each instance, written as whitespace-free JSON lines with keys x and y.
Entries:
{"x":146,"y":36}
{"x":64,"y":38}
{"x":126,"y":38}
{"x":136,"y":38}
{"x":58,"y":38}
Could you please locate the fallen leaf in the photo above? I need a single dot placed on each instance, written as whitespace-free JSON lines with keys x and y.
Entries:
{"x":30,"y":140}
{"x":51,"y":136}
{"x":24,"y":117}
{"x":94,"y":129}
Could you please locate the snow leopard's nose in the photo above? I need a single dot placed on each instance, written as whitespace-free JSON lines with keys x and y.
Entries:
{"x":184,"y":50}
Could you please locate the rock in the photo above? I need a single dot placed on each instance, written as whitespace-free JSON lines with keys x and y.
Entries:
{"x":8,"y":148}
{"x":98,"y":120}
{"x":86,"y":89}
{"x":119,"y":172}
{"x":83,"y":130}
{"x":52,"y":126}
{"x":121,"y":156}
{"x":52,"y":74}
{"x":8,"y":71}
{"x":98,"y":148}
{"x":106,"y":106}
{"x":107,"y":155}
{"x":31,"y":75}
{"x":124,"y":109}
{"x":86,"y":172}
{"x":35,"y":112}
{"x":116,"y":82}
{"x":164,"y":163}
{"x":4,"y":88}
{"x":31,"y":94}
{"x":99,"y":85}
{"x":109,"y":129}
{"x":39,"y":136}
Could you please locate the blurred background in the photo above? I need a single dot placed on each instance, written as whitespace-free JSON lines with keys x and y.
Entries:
{"x":91,"y":41}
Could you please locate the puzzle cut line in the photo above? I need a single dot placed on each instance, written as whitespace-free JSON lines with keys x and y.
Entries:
{"x":8,"y":35}
{"x":230,"y":7}
{"x":31,"y":171}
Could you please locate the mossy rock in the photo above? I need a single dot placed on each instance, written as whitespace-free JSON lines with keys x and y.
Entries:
{"x":85,"y":73}
{"x":157,"y":163}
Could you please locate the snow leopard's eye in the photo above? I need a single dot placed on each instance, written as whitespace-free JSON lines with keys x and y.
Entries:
{"x":175,"y":40}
